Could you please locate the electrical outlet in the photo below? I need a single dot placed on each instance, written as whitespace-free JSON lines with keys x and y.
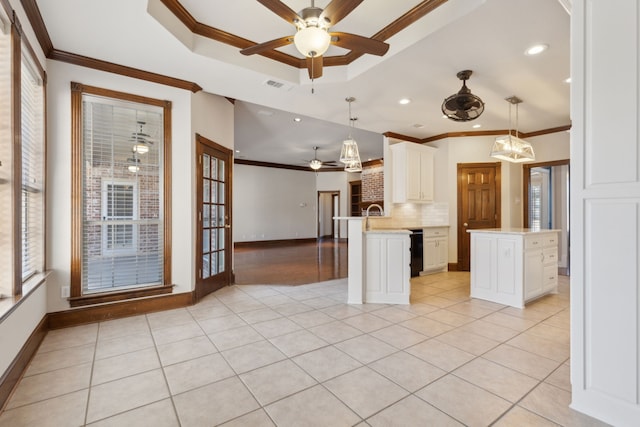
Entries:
{"x":65,"y":291}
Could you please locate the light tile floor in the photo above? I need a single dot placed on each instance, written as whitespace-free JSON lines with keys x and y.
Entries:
{"x":264,"y":355}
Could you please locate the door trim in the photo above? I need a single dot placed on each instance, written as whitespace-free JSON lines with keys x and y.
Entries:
{"x":228,"y":277}
{"x":460,"y":220}
{"x":334,"y":193}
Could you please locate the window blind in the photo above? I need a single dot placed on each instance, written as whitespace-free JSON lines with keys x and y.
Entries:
{"x":122,"y":229}
{"x":32,"y":153}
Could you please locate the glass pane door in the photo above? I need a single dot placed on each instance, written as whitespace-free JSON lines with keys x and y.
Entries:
{"x":213,"y":217}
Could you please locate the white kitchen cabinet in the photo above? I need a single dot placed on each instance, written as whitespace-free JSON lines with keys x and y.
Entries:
{"x":513,"y":266}
{"x":435,"y":250}
{"x":412,"y":172}
{"x":387,"y":267}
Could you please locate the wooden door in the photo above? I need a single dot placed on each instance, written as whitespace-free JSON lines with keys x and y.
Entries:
{"x":213,"y":236}
{"x":478,"y":204}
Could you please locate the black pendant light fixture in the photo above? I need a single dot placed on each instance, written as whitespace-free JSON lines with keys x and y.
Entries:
{"x":463,"y":106}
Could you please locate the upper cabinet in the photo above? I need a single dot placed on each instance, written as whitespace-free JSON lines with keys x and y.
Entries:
{"x":412,"y":172}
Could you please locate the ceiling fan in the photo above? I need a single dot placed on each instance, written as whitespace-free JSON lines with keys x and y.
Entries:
{"x":463,"y":106}
{"x":312,"y":38}
{"x":316,"y":164}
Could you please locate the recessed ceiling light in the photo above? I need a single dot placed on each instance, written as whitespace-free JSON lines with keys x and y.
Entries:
{"x":477,"y":125}
{"x":370,"y":159}
{"x":567,"y":80}
{"x":237,"y":151}
{"x":297,"y":119}
{"x":536,"y":49}
{"x":404,"y":101}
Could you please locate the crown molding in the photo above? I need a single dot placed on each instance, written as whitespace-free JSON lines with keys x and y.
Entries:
{"x":39,"y":27}
{"x":180,"y":12}
{"x":283,"y":166}
{"x":473,"y":133}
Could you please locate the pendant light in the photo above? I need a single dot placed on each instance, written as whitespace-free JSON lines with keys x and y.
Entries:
{"x":349,"y":154}
{"x":509,"y":147}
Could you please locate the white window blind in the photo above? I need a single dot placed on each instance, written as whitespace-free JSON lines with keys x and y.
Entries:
{"x":122,"y":229}
{"x":32,"y":207}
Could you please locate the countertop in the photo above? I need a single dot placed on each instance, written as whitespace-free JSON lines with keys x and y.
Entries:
{"x":388,"y":231}
{"x":412,"y":227}
{"x":512,"y":230}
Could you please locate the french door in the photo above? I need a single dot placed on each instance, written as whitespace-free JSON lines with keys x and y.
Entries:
{"x":213,"y":237}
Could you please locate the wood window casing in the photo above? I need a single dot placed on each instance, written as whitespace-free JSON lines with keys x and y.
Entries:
{"x":76,"y":292}
{"x":21,"y":52}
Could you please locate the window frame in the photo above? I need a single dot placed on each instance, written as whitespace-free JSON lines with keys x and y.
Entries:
{"x":77,"y":298}
{"x":21,"y":51}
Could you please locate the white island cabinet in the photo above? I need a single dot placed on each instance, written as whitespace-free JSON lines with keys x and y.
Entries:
{"x":387,"y":267}
{"x":513,"y":266}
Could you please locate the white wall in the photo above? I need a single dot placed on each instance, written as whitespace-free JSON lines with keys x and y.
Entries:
{"x":605,"y":206}
{"x":273,"y":204}
{"x":18,"y":326}
{"x":211,"y":116}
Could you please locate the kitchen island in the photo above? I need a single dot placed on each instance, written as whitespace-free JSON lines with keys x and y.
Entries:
{"x":378,"y":267}
{"x":512,"y":266}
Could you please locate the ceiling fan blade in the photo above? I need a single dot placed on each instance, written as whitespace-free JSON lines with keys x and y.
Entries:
{"x":472,"y":104}
{"x":338,"y":9}
{"x":314,"y":65}
{"x":359,"y":43}
{"x":463,"y":114}
{"x":281,"y":9}
{"x":451,"y":104}
{"x":273,"y":44}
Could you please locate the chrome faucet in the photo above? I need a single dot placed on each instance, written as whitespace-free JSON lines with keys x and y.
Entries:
{"x":366,"y":221}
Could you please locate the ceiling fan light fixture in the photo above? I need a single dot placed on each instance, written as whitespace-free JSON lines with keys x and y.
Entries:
{"x":315,"y":164}
{"x":141,"y":148}
{"x":133,"y":164}
{"x":312,"y":41}
{"x":463,"y":106}
{"x":510,"y":148}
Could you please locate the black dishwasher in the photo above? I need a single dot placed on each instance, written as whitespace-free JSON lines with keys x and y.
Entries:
{"x":416,"y":252}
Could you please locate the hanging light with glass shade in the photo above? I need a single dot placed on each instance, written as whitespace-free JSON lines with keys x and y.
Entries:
{"x":509,"y":147}
{"x":349,"y":154}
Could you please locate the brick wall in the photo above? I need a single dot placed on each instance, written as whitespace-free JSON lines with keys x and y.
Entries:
{"x":373,"y":183}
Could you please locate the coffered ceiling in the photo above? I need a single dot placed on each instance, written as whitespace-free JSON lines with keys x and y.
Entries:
{"x":430,"y":41}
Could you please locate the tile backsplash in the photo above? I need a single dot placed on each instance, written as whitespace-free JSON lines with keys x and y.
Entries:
{"x":414,"y":215}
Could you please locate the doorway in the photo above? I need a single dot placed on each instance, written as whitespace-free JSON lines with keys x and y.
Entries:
{"x":546,"y":202}
{"x":213,"y":233}
{"x":478,"y":204}
{"x":328,"y":208}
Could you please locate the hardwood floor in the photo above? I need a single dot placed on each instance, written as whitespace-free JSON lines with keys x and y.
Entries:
{"x":291,"y":263}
